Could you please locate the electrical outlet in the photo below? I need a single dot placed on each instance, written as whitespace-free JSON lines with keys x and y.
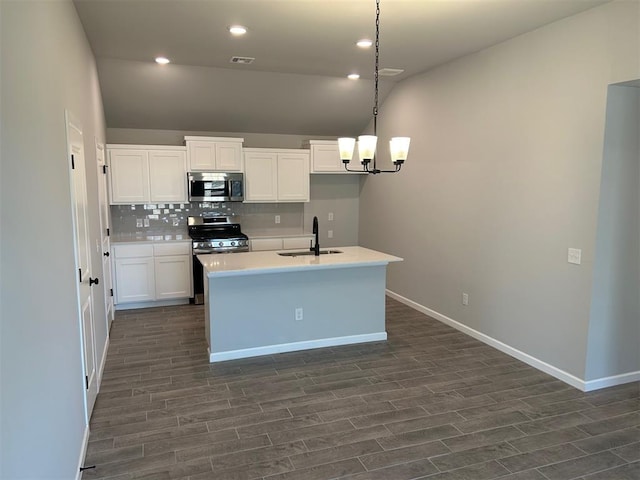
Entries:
{"x":465,"y":299}
{"x":299,"y":314}
{"x":138,"y":222}
{"x":146,"y":222}
{"x":574,"y":256}
{"x":330,"y":233}
{"x":330,"y":217}
{"x":277,"y":218}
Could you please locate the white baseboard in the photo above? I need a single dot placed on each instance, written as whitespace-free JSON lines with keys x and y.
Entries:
{"x":296,"y":346}
{"x":612,"y":381}
{"x":556,"y":372}
{"x":83,"y":452}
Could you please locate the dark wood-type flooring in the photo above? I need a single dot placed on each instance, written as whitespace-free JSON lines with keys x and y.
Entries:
{"x":430,"y":402}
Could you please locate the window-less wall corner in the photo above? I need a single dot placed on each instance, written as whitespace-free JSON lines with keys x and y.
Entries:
{"x":614,"y":330}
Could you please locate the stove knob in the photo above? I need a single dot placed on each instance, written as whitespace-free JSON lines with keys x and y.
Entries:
{"x":233,"y":244}
{"x":221,"y":244}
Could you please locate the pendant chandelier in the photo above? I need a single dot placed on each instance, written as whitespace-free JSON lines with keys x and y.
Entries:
{"x":398,"y":146}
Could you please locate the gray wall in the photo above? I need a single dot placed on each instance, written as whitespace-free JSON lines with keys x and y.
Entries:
{"x":337,"y":194}
{"x":614,"y":327}
{"x":502,"y":177}
{"x":47,"y":67}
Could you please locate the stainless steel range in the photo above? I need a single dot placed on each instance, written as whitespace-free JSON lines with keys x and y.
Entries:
{"x":212,"y":235}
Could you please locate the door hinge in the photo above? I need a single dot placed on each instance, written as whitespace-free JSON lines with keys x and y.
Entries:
{"x":86,"y":381}
{"x":111,"y":291}
{"x":73,"y":163}
{"x":80,"y":274}
{"x":104,"y":169}
{"x":108,"y":233}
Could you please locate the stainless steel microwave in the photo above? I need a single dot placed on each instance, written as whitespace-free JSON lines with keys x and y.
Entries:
{"x":215,"y":187}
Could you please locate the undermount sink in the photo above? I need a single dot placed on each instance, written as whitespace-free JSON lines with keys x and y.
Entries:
{"x":303,"y":253}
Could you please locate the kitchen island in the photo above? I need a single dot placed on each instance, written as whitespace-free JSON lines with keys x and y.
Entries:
{"x":260,"y":303}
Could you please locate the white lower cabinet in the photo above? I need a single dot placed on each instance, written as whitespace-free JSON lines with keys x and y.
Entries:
{"x":148,"y":272}
{"x":290,"y":243}
{"x":281,"y":243}
{"x":173,"y":277}
{"x":135,"y":280}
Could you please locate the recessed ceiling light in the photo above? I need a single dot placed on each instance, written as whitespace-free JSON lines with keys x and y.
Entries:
{"x":364,"y":43}
{"x":162,"y":60}
{"x":353,"y":76}
{"x":237,"y":30}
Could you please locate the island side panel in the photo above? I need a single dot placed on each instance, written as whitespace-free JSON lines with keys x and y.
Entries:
{"x":253,"y":315}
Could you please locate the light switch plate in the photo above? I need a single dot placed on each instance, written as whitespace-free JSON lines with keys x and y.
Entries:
{"x":574,"y":256}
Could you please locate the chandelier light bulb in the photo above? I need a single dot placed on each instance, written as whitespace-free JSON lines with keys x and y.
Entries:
{"x":367,"y":147}
{"x":399,"y":148}
{"x":346,"y":146}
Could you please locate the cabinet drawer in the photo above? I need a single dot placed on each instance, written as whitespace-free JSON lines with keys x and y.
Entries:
{"x":296,"y":242}
{"x":172,"y":249}
{"x":132,"y":251}
{"x":259,"y":244}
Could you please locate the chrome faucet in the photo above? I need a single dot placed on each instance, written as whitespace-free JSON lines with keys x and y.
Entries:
{"x":316,"y":248}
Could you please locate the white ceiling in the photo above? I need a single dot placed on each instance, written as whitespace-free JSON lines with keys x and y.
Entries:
{"x":303,"y":49}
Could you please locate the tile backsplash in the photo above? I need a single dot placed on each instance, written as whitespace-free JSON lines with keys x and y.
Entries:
{"x":161,"y":218}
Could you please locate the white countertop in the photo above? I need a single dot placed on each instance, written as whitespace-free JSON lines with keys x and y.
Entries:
{"x":255,"y":263}
{"x":149,"y":238}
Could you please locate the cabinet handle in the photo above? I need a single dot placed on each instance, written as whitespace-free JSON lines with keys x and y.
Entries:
{"x":106,"y":254}
{"x":93,"y":281}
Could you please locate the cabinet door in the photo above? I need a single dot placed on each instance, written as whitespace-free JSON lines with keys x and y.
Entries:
{"x":173,"y":277}
{"x":129,"y":176}
{"x":293,"y":177}
{"x":168,"y":176}
{"x":261,"y":177}
{"x":229,"y":157}
{"x":202,"y":156}
{"x":135,"y":280}
{"x":326,"y":159}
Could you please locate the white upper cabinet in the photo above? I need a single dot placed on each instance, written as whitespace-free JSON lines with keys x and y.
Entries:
{"x":275,"y":175}
{"x":260,"y":176}
{"x":168,"y":176}
{"x":143,"y":174}
{"x":325,"y":157}
{"x":129,"y":176}
{"x":209,"y":154}
{"x":293,"y":177}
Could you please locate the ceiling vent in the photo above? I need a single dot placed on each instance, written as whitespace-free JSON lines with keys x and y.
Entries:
{"x":242,"y":60}
{"x":390,"y":72}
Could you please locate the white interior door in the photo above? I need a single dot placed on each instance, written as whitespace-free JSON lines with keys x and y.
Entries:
{"x":75,"y":146}
{"x":104,"y":233}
